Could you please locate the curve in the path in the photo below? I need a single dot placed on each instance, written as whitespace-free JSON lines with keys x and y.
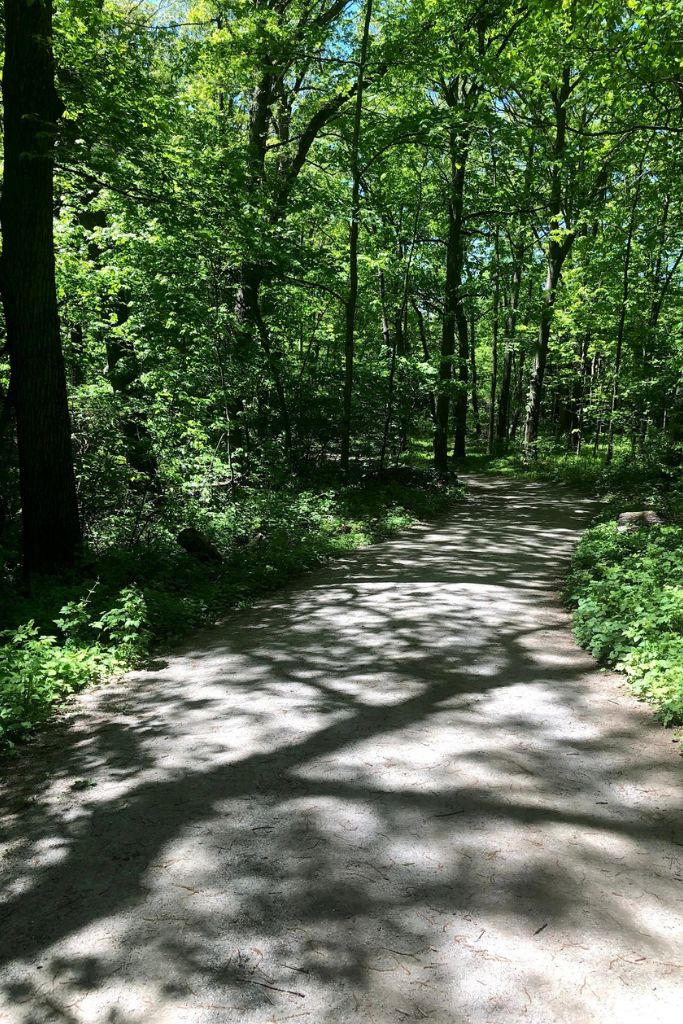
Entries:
{"x":395,"y":791}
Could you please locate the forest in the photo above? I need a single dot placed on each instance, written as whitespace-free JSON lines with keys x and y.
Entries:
{"x":277,"y":274}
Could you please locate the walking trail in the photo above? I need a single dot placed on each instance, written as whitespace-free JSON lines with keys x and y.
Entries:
{"x":396,"y":791}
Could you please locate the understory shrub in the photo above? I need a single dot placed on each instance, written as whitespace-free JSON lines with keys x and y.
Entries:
{"x":627,"y":590}
{"x":37,"y":672}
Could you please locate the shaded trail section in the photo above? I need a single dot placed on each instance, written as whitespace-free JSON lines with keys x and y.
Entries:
{"x":396,"y":791}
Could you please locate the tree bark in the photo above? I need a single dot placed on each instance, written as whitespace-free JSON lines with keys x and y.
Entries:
{"x":510,"y":326}
{"x":49,"y":510}
{"x":519,"y":394}
{"x":558,"y":250}
{"x":494,"y":350}
{"x":354,"y":229}
{"x":431,"y":402}
{"x":474,"y":393}
{"x":622,"y":317}
{"x":390,"y":348}
{"x":454,"y":321}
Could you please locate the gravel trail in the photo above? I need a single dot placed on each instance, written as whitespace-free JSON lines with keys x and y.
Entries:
{"x":395,"y":791}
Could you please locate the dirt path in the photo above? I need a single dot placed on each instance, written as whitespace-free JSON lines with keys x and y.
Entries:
{"x":395,"y":792}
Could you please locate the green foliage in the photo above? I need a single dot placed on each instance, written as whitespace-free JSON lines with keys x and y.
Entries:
{"x":36,"y":673}
{"x":628,"y":596}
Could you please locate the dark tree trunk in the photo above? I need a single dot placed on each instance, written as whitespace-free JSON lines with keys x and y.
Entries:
{"x":519,"y":392}
{"x":250,"y":316}
{"x":447,"y":348}
{"x":354,"y":229}
{"x":558,"y":250}
{"x":460,"y":404}
{"x":51,"y":531}
{"x":502,"y":422}
{"x":426,"y":355}
{"x":579,"y":396}
{"x":494,"y":356}
{"x":474,"y":393}
{"x":390,"y":348}
{"x":505,"y":399}
{"x":454,"y":320}
{"x":622,"y":317}
{"x":556,"y":259}
{"x":518,"y":253}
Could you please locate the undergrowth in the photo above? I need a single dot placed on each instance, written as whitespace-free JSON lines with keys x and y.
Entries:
{"x":64,"y":635}
{"x":627,"y":592}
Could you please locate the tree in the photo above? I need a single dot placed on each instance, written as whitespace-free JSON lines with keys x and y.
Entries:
{"x":49,"y":510}
{"x":354,"y":229}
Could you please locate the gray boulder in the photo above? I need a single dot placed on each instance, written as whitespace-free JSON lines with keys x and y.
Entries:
{"x":197,"y":545}
{"x":630,"y":521}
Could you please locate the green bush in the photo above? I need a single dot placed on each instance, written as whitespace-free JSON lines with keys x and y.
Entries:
{"x":627,"y":590}
{"x":36,"y":673}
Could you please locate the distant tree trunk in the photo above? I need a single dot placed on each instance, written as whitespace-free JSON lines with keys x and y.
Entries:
{"x":494,"y":351}
{"x":518,"y":253}
{"x":473,"y":373}
{"x":390,"y":348}
{"x":579,"y":395}
{"x":460,"y":404}
{"x":557,"y":253}
{"x":519,"y":392}
{"x":622,"y":316}
{"x":503,"y":419}
{"x":510,"y":324}
{"x":354,"y":228}
{"x":454,"y":320}
{"x":459,"y":94}
{"x":447,"y":345}
{"x":533,"y":415}
{"x":248,"y":313}
{"x":124,"y":371}
{"x":426,"y":355}
{"x":51,"y":531}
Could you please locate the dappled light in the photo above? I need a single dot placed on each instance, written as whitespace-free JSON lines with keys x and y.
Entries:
{"x":394,"y":791}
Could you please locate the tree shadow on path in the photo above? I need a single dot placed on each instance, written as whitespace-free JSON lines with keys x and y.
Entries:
{"x":396,"y":790}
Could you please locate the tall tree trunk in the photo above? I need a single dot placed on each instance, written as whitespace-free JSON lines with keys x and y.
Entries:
{"x":518,"y":253}
{"x":474,"y":393}
{"x":519,"y":393}
{"x":424,"y":341}
{"x":622,"y":316}
{"x":49,"y":510}
{"x":447,"y":347}
{"x":494,"y":351}
{"x":460,"y":404}
{"x":579,"y":395}
{"x":390,"y":348}
{"x":249,"y":314}
{"x":454,"y":320}
{"x":505,"y":396}
{"x":556,"y":258}
{"x":354,"y":228}
{"x":558,"y":250}
{"x":510,"y":326}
